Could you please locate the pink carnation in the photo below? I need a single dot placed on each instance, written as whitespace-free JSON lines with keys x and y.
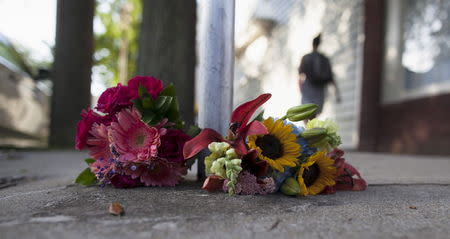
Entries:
{"x":88,"y":118}
{"x":151,"y":84}
{"x":114,"y":99}
{"x":133,"y":139}
{"x":249,"y":184}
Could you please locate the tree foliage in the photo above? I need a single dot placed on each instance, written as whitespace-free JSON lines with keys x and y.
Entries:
{"x":116,"y":27}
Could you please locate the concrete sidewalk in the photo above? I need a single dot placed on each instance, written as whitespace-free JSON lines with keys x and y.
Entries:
{"x":409,"y":198}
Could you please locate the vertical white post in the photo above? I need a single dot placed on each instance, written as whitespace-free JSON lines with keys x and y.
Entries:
{"x":216,"y":64}
{"x":216,"y":67}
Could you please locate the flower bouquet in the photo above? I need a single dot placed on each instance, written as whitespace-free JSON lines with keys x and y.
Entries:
{"x":264,"y":156}
{"x":134,"y":136}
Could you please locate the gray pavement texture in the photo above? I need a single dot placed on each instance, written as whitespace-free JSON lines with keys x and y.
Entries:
{"x":402,"y":202}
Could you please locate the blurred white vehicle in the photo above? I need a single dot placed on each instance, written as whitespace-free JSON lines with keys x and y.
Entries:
{"x":24,"y":101}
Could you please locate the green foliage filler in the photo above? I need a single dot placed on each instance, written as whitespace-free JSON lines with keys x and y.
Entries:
{"x":154,"y":110}
{"x":223,"y":162}
{"x":87,"y":178}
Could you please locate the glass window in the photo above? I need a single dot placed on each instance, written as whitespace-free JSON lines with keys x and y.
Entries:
{"x":417,"y":55}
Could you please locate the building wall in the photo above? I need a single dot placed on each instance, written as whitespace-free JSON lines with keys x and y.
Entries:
{"x":343,"y":22}
{"x":270,"y":64}
{"x":419,"y":126}
{"x":394,"y":120}
{"x":374,"y":15}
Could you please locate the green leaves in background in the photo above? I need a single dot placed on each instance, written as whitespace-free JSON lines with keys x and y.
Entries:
{"x":87,"y":178}
{"x":116,"y":39}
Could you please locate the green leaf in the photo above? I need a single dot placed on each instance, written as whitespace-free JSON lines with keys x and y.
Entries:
{"x":173,"y":114}
{"x":86,"y":178}
{"x":169,"y":91}
{"x":138,"y":104}
{"x":260,"y":117}
{"x":148,"y":117}
{"x":179,"y":124}
{"x":161,"y":101}
{"x":147,"y":102}
{"x":89,"y":161}
{"x":142,"y":91}
{"x":166,"y":106}
{"x":156,"y":119}
{"x":193,"y":130}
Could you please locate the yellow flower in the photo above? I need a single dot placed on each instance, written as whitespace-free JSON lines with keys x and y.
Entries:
{"x":279,"y":148}
{"x":316,"y":173}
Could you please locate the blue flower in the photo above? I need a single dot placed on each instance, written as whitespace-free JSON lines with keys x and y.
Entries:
{"x":279,"y":177}
{"x":306,"y":149}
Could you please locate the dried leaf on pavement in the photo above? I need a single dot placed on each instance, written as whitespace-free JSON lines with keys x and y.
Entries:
{"x":116,"y":209}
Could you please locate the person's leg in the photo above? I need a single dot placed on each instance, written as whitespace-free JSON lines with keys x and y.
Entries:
{"x":313,"y":95}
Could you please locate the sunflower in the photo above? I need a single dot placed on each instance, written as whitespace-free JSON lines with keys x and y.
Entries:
{"x":316,"y":173}
{"x":279,"y":147}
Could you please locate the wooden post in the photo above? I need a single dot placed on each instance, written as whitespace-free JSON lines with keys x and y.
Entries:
{"x":167,"y":48}
{"x":216,"y":66}
{"x":74,"y":46}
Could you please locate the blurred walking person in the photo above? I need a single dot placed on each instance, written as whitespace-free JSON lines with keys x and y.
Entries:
{"x":315,"y":74}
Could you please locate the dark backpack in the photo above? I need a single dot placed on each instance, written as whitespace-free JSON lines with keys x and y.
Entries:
{"x":320,"y":74}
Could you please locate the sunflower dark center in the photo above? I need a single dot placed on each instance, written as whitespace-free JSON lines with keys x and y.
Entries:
{"x":311,"y":174}
{"x":271,"y":146}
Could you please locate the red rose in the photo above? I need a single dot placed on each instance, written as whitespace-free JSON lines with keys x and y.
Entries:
{"x":172,"y":144}
{"x":151,"y":84}
{"x":114,"y":99}
{"x":88,"y":118}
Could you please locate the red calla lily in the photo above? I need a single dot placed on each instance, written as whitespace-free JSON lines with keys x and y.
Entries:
{"x":242,"y":114}
{"x":345,"y":176}
{"x":238,"y":132}
{"x":213,"y":183}
{"x":251,"y":164}
{"x":201,"y":141}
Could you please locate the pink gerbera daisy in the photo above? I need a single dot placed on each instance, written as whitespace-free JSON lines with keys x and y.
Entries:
{"x":98,"y":143}
{"x":133,"y":139}
{"x":102,"y":167}
{"x":99,"y":147}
